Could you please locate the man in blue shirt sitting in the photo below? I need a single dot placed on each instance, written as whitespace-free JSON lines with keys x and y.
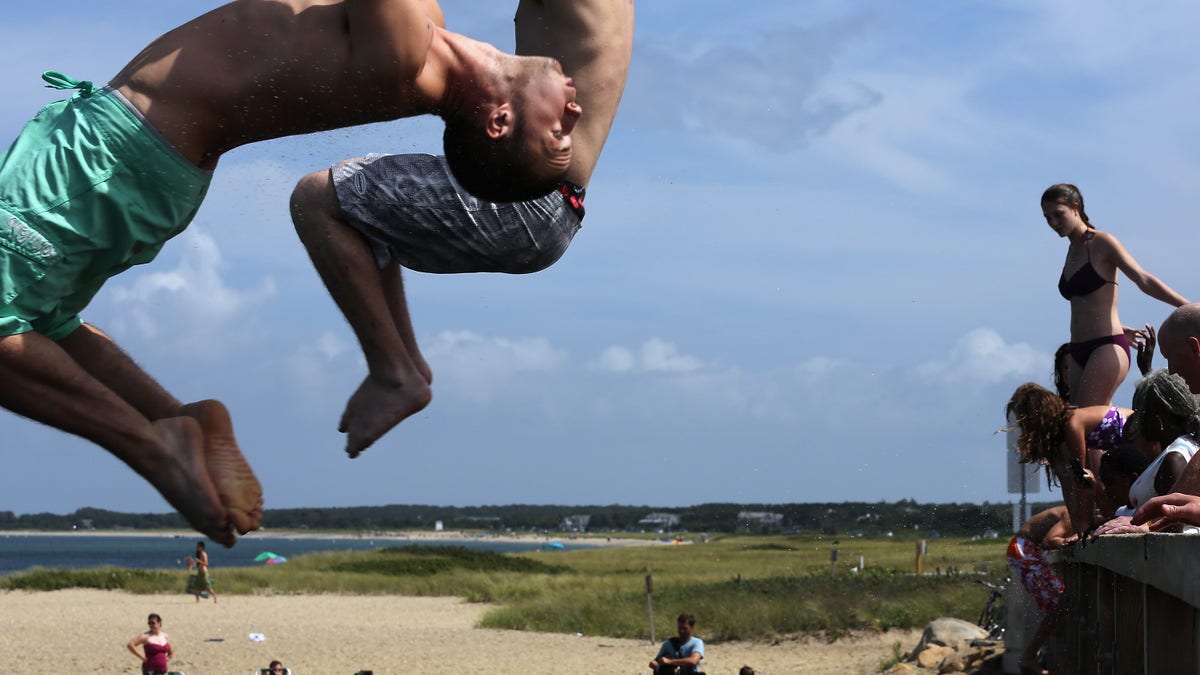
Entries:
{"x":680,"y":655}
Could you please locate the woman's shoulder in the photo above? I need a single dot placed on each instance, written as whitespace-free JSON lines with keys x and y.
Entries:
{"x":1103,"y":243}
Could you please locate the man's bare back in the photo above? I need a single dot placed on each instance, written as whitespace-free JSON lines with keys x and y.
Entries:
{"x":1049,"y":529}
{"x":257,"y":69}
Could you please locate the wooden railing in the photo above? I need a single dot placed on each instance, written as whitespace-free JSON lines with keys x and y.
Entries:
{"x":1130,"y":607}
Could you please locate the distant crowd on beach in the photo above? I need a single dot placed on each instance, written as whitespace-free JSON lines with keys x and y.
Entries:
{"x":1121,"y":469}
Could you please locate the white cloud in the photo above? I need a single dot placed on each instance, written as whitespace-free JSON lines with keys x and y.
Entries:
{"x":615,"y":360}
{"x":982,"y":355}
{"x":330,"y":345}
{"x":189,"y":309}
{"x":479,"y":368}
{"x":655,"y":356}
{"x":774,"y":94}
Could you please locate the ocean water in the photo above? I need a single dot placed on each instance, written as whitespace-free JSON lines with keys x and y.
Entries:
{"x":20,"y":552}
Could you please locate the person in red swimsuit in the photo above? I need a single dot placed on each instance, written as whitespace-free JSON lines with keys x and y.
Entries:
{"x":1099,"y":347}
{"x":156,"y":645}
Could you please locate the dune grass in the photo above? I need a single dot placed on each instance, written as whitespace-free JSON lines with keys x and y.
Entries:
{"x":760,"y":587}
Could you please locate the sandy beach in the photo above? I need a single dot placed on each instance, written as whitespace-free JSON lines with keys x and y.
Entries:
{"x":86,"y":631}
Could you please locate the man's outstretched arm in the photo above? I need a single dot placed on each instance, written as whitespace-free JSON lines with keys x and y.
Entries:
{"x":389,"y":39}
{"x":593,"y":40}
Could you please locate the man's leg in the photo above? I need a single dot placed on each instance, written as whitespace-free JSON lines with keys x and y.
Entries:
{"x":396,"y":386}
{"x":42,"y":382}
{"x":393,"y":291}
{"x":238,"y":488}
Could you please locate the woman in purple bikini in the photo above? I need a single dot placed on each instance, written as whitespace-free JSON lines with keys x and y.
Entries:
{"x":1099,"y":343}
{"x":1069,"y":443}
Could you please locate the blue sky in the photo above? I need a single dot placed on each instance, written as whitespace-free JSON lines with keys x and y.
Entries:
{"x":813,"y":269}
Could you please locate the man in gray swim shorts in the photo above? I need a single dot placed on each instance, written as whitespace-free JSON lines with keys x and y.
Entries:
{"x":411,"y":211}
{"x":98,"y":183}
{"x":365,"y":218}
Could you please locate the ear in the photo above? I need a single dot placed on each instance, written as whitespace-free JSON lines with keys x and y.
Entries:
{"x":1193,"y":346}
{"x":500,"y":122}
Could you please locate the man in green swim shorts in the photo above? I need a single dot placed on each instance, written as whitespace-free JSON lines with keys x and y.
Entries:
{"x":97,"y":183}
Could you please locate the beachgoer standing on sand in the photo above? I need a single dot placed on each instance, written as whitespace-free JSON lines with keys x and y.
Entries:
{"x":1099,"y":343}
{"x":680,"y":655}
{"x":203,"y":583}
{"x":156,"y":645}
{"x":98,"y":183}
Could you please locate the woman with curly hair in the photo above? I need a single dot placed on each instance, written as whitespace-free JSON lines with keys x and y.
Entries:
{"x":1067,"y":441}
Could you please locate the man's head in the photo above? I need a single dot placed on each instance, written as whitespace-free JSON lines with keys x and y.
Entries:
{"x":1179,"y":342}
{"x":684,"y":625}
{"x":275,"y":668}
{"x":517,"y":146}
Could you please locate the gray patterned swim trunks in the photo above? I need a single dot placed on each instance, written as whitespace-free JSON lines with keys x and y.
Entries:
{"x":411,"y":211}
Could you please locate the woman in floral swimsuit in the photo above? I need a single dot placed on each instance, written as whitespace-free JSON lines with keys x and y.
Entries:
{"x":1069,"y":443}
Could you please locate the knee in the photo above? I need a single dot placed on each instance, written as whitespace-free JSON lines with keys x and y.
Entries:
{"x":312,"y":198}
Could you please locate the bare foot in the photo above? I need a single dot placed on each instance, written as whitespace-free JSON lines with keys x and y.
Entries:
{"x":377,"y":407}
{"x":235,"y":482}
{"x":181,"y":476}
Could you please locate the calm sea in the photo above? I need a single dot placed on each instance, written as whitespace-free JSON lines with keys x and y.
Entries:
{"x":20,"y":552}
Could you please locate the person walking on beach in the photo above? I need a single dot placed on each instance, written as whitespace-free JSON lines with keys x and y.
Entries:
{"x":365,"y":218}
{"x":1099,"y":351}
{"x":680,"y":655}
{"x":203,"y":582}
{"x":98,"y":183}
{"x":156,"y":646}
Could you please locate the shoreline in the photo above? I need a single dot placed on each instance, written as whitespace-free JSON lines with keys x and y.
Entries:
{"x":387,"y":536}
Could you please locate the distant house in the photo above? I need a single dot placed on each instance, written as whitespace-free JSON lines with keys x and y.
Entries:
{"x":759,"y":521}
{"x":575,"y":523}
{"x":661,"y":521}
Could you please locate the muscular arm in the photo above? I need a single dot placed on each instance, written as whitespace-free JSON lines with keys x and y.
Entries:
{"x":593,"y":40}
{"x":389,"y":39}
{"x":1189,"y":480}
{"x":1168,"y":473}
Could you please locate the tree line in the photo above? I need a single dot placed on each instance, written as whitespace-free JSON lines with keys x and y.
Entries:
{"x":841,"y":518}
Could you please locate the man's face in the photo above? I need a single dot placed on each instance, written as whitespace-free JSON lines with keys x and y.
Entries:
{"x":549,"y":113}
{"x":1181,"y":357}
{"x":685,"y":631}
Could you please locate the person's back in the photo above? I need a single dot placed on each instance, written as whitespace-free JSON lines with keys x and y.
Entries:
{"x":278,"y":68}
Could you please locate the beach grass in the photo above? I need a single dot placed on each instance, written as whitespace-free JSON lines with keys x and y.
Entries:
{"x":745,"y":587}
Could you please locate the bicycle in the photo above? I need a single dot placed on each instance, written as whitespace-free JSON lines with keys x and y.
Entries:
{"x":991,"y":618}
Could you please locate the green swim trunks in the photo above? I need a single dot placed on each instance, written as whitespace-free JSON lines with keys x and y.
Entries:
{"x":87,"y":190}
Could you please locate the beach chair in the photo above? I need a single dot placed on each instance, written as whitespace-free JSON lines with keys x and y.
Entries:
{"x":267,"y":671}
